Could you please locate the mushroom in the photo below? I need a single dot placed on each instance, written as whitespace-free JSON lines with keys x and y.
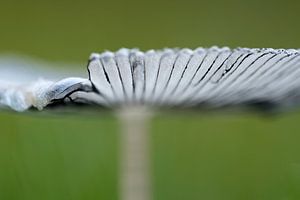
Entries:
{"x":135,"y":84}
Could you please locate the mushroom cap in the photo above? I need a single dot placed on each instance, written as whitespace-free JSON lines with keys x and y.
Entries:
{"x":213,"y":77}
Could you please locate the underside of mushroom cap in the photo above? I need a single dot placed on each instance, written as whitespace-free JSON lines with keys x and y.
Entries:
{"x":209,"y":77}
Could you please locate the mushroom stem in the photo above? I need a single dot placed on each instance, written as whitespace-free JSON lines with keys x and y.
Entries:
{"x":135,"y":178}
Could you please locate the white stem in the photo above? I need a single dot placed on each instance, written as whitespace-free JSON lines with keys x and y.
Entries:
{"x":135,"y":179}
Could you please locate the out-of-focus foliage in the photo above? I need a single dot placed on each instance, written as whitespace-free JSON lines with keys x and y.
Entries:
{"x":71,"y":30}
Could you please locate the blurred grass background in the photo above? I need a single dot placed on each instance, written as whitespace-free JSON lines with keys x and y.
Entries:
{"x":205,"y":156}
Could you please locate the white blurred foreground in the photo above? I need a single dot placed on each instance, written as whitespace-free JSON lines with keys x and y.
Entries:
{"x":24,"y":80}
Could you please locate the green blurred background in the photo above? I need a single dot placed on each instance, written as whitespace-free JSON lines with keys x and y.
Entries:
{"x":194,"y":156}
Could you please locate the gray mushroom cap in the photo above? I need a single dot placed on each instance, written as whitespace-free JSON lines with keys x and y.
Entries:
{"x":172,"y":78}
